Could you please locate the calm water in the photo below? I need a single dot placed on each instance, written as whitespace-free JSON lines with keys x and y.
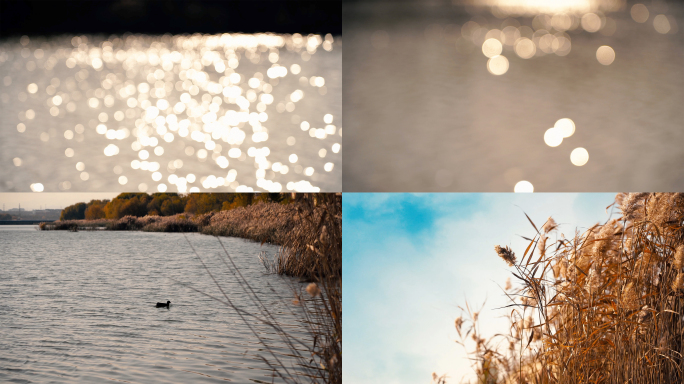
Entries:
{"x":425,"y":114}
{"x":79,"y":307}
{"x":178,"y":113}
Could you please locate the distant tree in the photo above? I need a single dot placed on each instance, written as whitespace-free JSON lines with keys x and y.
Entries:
{"x":238,"y":200}
{"x":158,"y":199}
{"x":95,"y":209}
{"x":244,"y":199}
{"x":134,"y":204}
{"x":142,"y":196}
{"x":286,"y":198}
{"x":260,"y":197}
{"x":199,"y":203}
{"x":172,"y":206}
{"x":74,"y":212}
{"x":5,"y":216}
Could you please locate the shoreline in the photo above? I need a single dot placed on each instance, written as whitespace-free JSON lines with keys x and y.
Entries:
{"x":263,"y":222}
{"x":309,"y":232}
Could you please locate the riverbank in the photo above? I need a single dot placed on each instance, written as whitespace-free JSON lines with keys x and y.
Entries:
{"x":309,"y":231}
{"x":265,"y":222}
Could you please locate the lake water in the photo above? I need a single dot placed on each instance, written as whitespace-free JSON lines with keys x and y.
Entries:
{"x":80,"y":307}
{"x":425,"y":114}
{"x":179,"y":113}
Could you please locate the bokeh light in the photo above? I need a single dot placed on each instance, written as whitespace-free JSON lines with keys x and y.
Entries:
{"x":497,"y":65}
{"x":553,"y":137}
{"x":605,"y":55}
{"x":565,"y":126}
{"x":639,"y":13}
{"x":579,"y":156}
{"x":492,"y":47}
{"x":591,"y":22}
{"x":523,"y":186}
{"x":661,"y":24}
{"x":525,"y":48}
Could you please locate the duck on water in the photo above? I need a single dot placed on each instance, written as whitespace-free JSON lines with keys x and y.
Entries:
{"x":165,"y":305}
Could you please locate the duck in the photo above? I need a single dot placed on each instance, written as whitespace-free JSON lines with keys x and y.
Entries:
{"x":167,"y":304}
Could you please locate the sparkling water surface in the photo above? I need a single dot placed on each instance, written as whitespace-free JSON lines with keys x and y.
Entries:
{"x":80,"y":307}
{"x":227,"y":112}
{"x":450,"y":98}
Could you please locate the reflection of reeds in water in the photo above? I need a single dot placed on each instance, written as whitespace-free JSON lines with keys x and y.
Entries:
{"x":604,"y":306}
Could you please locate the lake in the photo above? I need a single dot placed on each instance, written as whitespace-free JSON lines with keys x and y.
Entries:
{"x":80,"y":307}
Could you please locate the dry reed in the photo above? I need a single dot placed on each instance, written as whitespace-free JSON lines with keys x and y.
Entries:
{"x":311,"y":248}
{"x":604,"y":306}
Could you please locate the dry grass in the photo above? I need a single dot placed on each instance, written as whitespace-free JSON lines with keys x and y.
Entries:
{"x":311,"y":248}
{"x":262,"y":222}
{"x":177,"y":223}
{"x":604,"y":306}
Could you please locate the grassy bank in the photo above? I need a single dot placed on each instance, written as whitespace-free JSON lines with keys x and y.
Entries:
{"x":603,"y":306}
{"x":309,"y":231}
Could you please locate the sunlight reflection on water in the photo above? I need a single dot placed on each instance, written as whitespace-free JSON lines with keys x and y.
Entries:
{"x":227,"y":107}
{"x":454,"y":98}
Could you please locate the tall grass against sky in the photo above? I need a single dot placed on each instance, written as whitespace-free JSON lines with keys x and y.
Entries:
{"x":603,"y":306}
{"x":410,"y":259}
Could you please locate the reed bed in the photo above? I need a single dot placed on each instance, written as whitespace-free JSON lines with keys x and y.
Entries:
{"x":603,"y":306}
{"x":176,"y":223}
{"x":262,"y":222}
{"x":310,"y":233}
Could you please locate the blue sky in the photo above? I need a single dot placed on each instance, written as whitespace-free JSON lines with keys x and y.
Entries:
{"x":409,"y":261}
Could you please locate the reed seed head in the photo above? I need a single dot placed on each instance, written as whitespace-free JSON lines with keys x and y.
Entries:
{"x":313,"y":289}
{"x":458,"y":322}
{"x":537,"y":335}
{"x":631,"y":203}
{"x":507,"y":254}
{"x":550,"y":225}
{"x":678,"y":284}
{"x":542,"y":245}
{"x":679,"y":257}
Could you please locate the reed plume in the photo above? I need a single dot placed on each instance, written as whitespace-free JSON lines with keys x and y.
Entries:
{"x":507,"y":254}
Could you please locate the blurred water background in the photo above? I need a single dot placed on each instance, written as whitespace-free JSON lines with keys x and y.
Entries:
{"x":80,"y":307}
{"x":132,"y":112}
{"x":461,"y":96}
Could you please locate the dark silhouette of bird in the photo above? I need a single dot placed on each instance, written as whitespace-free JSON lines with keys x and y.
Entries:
{"x":167,"y":304}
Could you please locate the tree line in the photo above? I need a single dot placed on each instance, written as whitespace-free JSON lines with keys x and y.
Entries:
{"x":166,"y":204}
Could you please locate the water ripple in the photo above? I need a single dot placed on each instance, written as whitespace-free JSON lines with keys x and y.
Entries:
{"x":80,"y":308}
